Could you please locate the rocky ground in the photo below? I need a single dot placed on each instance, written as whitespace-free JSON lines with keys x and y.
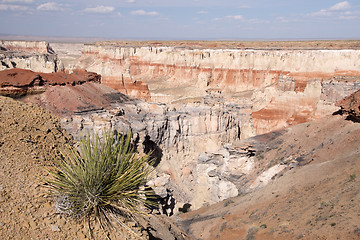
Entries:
{"x":316,"y":196}
{"x":30,"y":139}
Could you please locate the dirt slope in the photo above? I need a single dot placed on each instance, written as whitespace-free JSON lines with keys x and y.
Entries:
{"x":30,"y":139}
{"x":319,"y":200}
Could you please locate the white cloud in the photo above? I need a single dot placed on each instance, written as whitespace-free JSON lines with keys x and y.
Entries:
{"x":348,"y":17}
{"x":130,"y":1}
{"x":340,"y":6}
{"x":217,"y":19}
{"x":144,"y":13}
{"x":51,"y":6}
{"x":11,"y":7}
{"x":243,"y":6}
{"x":236,"y":17}
{"x":233,"y":17}
{"x":100,"y":9}
{"x":202,"y":12}
{"x":18,"y":1}
{"x":322,"y":12}
{"x":257,"y":21}
{"x":283,"y":19}
{"x":333,"y":10}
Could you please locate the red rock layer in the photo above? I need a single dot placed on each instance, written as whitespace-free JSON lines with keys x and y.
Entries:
{"x":19,"y":78}
{"x":230,"y":80}
{"x":138,"y":89}
{"x":67,"y":100}
{"x":282,"y":114}
{"x":225,"y":78}
{"x":18,"y":82}
{"x":290,"y":104}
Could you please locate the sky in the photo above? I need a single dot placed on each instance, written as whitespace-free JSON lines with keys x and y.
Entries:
{"x":183,"y":19}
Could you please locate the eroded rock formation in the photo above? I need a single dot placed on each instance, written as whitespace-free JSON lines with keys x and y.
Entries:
{"x":351,"y":106}
{"x":42,"y":47}
{"x":19,"y":82}
{"x":285,"y":87}
{"x":200,"y":102}
{"x":35,"y":56}
{"x":299,"y":183}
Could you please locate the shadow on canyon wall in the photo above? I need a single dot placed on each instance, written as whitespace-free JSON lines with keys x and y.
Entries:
{"x":155,"y":151}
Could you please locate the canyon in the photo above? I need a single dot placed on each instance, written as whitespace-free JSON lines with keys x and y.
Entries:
{"x":215,"y":118}
{"x":283,"y":87}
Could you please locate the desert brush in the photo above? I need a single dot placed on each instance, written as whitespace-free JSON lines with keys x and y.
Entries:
{"x":104,"y":181}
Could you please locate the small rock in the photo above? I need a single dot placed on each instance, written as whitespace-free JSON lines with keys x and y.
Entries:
{"x":54,"y":228}
{"x":212,"y":173}
{"x":26,"y":224}
{"x":82,"y":236}
{"x":131,"y":224}
{"x":186,"y":171}
{"x":47,"y":205}
{"x":33,"y":224}
{"x":62,"y":222}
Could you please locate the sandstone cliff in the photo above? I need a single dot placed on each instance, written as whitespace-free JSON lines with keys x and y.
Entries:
{"x":201,"y":101}
{"x":27,"y":46}
{"x":230,"y":70}
{"x":35,"y":56}
{"x":175,"y":134}
{"x":283,"y":87}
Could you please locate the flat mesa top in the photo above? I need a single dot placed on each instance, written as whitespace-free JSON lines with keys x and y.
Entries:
{"x":273,"y":45}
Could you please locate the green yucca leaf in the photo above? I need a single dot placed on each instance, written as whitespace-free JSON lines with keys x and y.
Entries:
{"x":103,"y":179}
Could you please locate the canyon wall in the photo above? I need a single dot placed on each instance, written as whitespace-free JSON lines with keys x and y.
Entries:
{"x":285,"y":87}
{"x":175,"y":135}
{"x":42,"y":47}
{"x":198,"y":102}
{"x":35,"y":56}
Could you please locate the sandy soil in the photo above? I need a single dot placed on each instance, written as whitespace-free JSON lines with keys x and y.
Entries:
{"x":30,"y":139}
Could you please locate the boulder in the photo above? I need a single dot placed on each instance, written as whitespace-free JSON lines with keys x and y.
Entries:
{"x":351,"y":106}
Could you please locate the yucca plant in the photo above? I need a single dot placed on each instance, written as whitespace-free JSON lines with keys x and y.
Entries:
{"x":103,"y":182}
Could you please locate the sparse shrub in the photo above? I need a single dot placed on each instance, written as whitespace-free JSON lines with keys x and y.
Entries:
{"x":228,"y":202}
{"x":102,"y":182}
{"x":352,"y":177}
{"x":263,"y":226}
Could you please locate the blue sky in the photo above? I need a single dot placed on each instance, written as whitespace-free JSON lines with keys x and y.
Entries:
{"x":183,"y":19}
